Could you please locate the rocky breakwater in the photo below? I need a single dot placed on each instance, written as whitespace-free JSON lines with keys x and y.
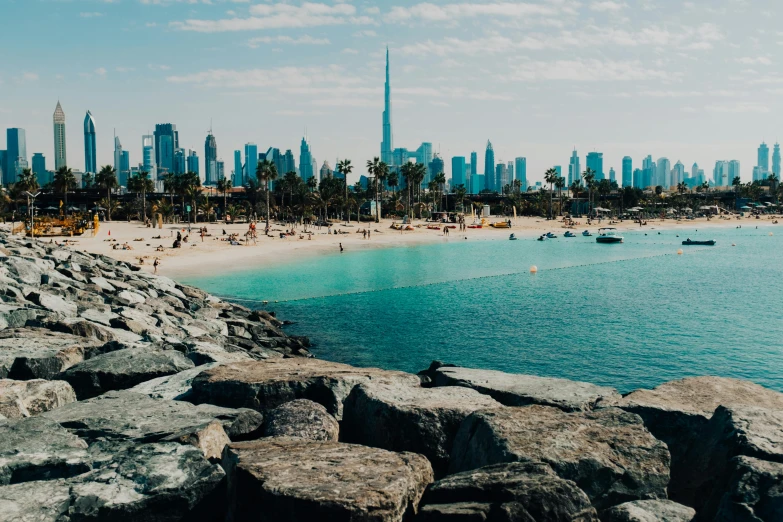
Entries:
{"x":126,"y":397}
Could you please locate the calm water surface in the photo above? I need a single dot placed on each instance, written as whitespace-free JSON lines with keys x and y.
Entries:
{"x":629,"y":316}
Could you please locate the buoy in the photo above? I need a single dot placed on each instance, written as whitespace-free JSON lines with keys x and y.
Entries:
{"x":533,"y":269}
{"x":733,"y":244}
{"x":679,"y":252}
{"x":771,"y":234}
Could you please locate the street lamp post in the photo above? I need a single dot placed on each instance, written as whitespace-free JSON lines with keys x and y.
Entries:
{"x":32,"y":212}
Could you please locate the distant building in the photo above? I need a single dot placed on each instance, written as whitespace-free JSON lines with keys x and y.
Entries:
{"x":326,"y":171}
{"x":90,"y":163}
{"x":436,"y":166}
{"x":210,"y":160}
{"x":520,"y":172}
{"x":489,"y":167}
{"x":180,"y":161}
{"x":734,"y":171}
{"x":677,"y":174}
{"x":595,"y":161}
{"x":559,"y":170}
{"x":220,"y":171}
{"x":305,"y":160}
{"x":148,"y":156}
{"x":288,"y":163}
{"x":251,"y":162}
{"x":39,"y":169}
{"x":574,"y":172}
{"x":763,"y":157}
{"x":166,"y":142}
{"x":628,"y":178}
{"x":720,"y":174}
{"x":193,"y":165}
{"x":387,"y":145}
{"x":612,"y":174}
{"x":474,"y":170}
{"x":501,"y":177}
{"x":663,"y":172}
{"x":122,"y":177}
{"x":3,"y":164}
{"x":125,"y":165}
{"x":16,"y":155}
{"x":237,"y":180}
{"x":759,"y":174}
{"x":776,"y":161}
{"x":458,"y":171}
{"x":648,"y":172}
{"x":60,"y":159}
{"x":638,"y":178}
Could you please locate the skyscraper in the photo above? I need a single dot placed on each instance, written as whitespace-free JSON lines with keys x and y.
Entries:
{"x":59,"y":137}
{"x":39,"y":169}
{"x":288,"y":162}
{"x":193,"y":161}
{"x":123,"y":181}
{"x":776,"y":161}
{"x":612,"y":175}
{"x":595,"y":161}
{"x":474,"y":167}
{"x":326,"y":171}
{"x":628,"y":172}
{"x":458,"y":171}
{"x":763,"y":157}
{"x":251,"y":162}
{"x":166,"y":142}
{"x":305,"y":160}
{"x":180,"y":161}
{"x":720,"y":174}
{"x":237,"y":181}
{"x":387,"y":145}
{"x":733,"y":172}
{"x":489,"y":167}
{"x":662,"y":173}
{"x":148,"y":156}
{"x":677,"y":174}
{"x":16,"y":155}
{"x":501,"y":176}
{"x":520,"y":172}
{"x":3,"y":163}
{"x":574,"y":171}
{"x":210,"y":159}
{"x":436,"y":166}
{"x":90,"y":163}
{"x":221,"y":169}
{"x":638,"y":178}
{"x":648,"y":172}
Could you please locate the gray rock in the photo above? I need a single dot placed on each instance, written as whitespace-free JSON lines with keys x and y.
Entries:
{"x":607,"y":453}
{"x":293,"y":480}
{"x":407,"y":418}
{"x":649,"y":511}
{"x":732,"y":432}
{"x":122,"y":369}
{"x":33,"y":353}
{"x":131,"y":297}
{"x":39,"y":449}
{"x":87,"y":329}
{"x":521,"y":390}
{"x":124,"y":415}
{"x":264,"y":385}
{"x":527,"y":491}
{"x":204,"y":353}
{"x":17,"y":316}
{"x":103,"y":284}
{"x":301,"y":418}
{"x":754,"y":492}
{"x":40,"y":501}
{"x":97,"y":316}
{"x":27,"y":398}
{"x":53,"y":303}
{"x":172,"y":387}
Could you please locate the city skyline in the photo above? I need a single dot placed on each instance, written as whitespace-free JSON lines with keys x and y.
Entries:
{"x":701,"y":79}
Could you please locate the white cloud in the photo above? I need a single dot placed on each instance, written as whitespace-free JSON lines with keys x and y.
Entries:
{"x":739,"y":108}
{"x":124,"y":69}
{"x":759,"y":60}
{"x":429,"y":12}
{"x":27,"y":77}
{"x":348,"y":50}
{"x":302,"y":40}
{"x":156,"y":67}
{"x":607,"y":6}
{"x":591,"y":70}
{"x":100,"y":71}
{"x":280,"y":16}
{"x":368,"y":33}
{"x":93,"y":14}
{"x":283,"y":77}
{"x":489,"y":45}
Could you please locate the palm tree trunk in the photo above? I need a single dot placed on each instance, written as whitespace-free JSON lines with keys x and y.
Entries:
{"x":225,"y":202}
{"x":144,"y":206}
{"x":108,"y":198}
{"x":267,"y":207}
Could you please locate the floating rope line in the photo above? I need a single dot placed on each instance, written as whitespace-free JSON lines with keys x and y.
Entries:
{"x":241,"y":300}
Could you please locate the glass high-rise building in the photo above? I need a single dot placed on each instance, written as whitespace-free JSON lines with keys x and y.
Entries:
{"x":595,"y":161}
{"x":237,"y":180}
{"x":387,"y":145}
{"x":489,"y":167}
{"x":520,"y":172}
{"x":251,"y":161}
{"x":776,"y":161}
{"x":305,"y":160}
{"x":180,"y":161}
{"x":59,"y":137}
{"x":193,"y":162}
{"x":458,"y":171}
{"x":733,"y":171}
{"x":16,"y":155}
{"x":288,"y":163}
{"x":220,"y":171}
{"x":612,"y":174}
{"x":574,"y":171}
{"x":763,"y":155}
{"x":90,"y":163}
{"x":148,"y":156}
{"x":166,"y":142}
{"x":210,"y":160}
{"x":474,"y":167}
{"x":122,"y":178}
{"x":39,"y":169}
{"x":662,"y":172}
{"x":436,"y":166}
{"x":628,"y":180}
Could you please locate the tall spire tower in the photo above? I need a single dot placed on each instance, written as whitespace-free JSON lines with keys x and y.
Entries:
{"x":387,"y":145}
{"x":59,"y":137}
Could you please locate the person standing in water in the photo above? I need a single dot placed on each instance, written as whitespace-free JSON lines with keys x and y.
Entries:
{"x":341,"y":248}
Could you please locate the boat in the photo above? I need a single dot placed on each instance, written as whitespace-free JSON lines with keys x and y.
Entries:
{"x":550,"y":235}
{"x":512,"y":237}
{"x":501,"y":224}
{"x":587,"y":233}
{"x":711,"y":242}
{"x":474,"y":226}
{"x":569,"y":234}
{"x":608,"y":235}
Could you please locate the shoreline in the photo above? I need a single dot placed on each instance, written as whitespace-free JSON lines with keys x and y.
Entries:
{"x":196,"y":258}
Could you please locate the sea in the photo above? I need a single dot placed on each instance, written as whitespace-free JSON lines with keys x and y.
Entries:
{"x":630,"y":315}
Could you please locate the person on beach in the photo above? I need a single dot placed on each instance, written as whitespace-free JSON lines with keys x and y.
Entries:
{"x":341,"y":248}
{"x":155,"y":265}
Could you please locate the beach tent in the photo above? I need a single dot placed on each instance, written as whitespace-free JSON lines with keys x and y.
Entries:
{"x":599,"y":209}
{"x":745,"y":208}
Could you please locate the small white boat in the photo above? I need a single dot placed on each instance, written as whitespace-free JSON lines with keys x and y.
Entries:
{"x":608,"y":235}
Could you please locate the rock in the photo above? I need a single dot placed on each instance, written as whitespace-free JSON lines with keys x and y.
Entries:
{"x":264,"y":385}
{"x":131,"y":297}
{"x":173,"y":387}
{"x":649,"y":511}
{"x":82,"y":328}
{"x":13,"y":316}
{"x":103,"y":284}
{"x":285,"y":479}
{"x":204,"y":353}
{"x":528,"y":491}
{"x":124,"y":415}
{"x":40,"y":501}
{"x":39,"y":449}
{"x":732,"y":432}
{"x":521,"y":390}
{"x":210,"y":439}
{"x":33,"y":353}
{"x":122,"y":369}
{"x":301,"y":418}
{"x":27,"y":398}
{"x":754,"y":493}
{"x":406,"y":418}
{"x":677,"y":412}
{"x":97,"y":316}
{"x":53,"y":303}
{"x":608,"y":453}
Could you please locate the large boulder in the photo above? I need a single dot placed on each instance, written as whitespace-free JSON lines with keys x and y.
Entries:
{"x":528,"y":491}
{"x":34,"y":353}
{"x":754,"y":492}
{"x":124,"y":415}
{"x":53,"y":303}
{"x":513,"y":389}
{"x":173,"y":387}
{"x":26,"y":398}
{"x":608,"y":453}
{"x":406,"y":418}
{"x":284,"y":479}
{"x":264,"y":385}
{"x":123,"y":369}
{"x":301,"y":418}
{"x":649,"y":511}
{"x":732,"y":432}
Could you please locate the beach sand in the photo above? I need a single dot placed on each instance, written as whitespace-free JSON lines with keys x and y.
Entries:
{"x":197,"y":258}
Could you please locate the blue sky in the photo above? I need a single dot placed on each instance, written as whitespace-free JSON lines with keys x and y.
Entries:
{"x":692,"y":81}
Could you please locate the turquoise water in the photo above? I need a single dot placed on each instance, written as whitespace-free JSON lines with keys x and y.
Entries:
{"x":629,"y":316}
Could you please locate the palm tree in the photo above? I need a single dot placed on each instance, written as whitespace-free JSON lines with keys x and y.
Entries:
{"x":551,"y":176}
{"x":64,"y":181}
{"x":560,"y":184}
{"x":172,"y":183}
{"x":344,"y":167}
{"x":737,"y":184}
{"x":372,"y":169}
{"x":575,"y":188}
{"x":107,"y":179}
{"x":189,"y":186}
{"x":27,"y":181}
{"x":141,"y":183}
{"x":440,"y":180}
{"x":266,"y":172}
{"x":110,"y":205}
{"x":419,"y":173}
{"x":393,"y":180}
{"x":589,"y":177}
{"x":460,"y":192}
{"x":381,"y":175}
{"x":290,"y":181}
{"x":223,"y":186}
{"x":312,"y":183}
{"x":407,"y":173}
{"x":773,"y":185}
{"x":87,"y":180}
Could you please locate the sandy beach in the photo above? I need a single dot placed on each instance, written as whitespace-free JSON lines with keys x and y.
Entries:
{"x":197,"y":256}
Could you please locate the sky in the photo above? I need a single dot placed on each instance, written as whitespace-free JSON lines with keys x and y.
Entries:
{"x":694,"y":81}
